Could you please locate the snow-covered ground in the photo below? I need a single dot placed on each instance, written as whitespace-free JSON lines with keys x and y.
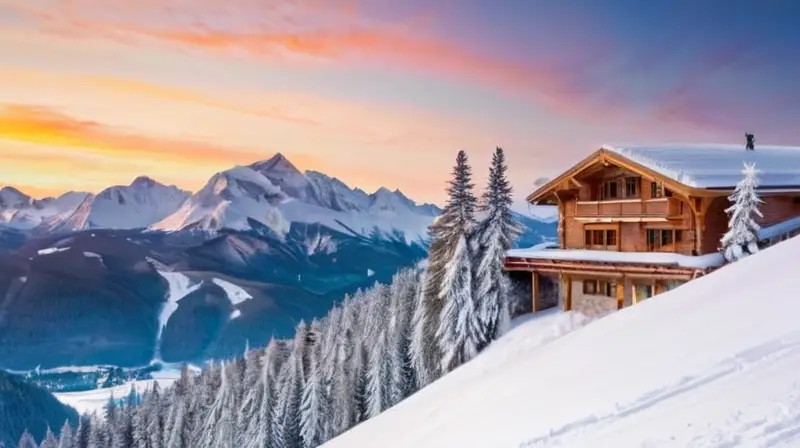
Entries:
{"x":713,"y":363}
{"x":94,"y":400}
{"x":236,"y":294}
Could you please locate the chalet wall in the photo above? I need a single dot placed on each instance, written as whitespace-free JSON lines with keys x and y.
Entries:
{"x":591,"y":305}
{"x":716,"y":224}
{"x":775,"y":209}
{"x":778,"y":208}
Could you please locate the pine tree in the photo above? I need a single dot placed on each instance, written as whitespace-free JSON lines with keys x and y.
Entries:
{"x":155,"y":418}
{"x":402,"y":294}
{"x":217,"y":429}
{"x":50,"y":440}
{"x":458,"y":332}
{"x":379,"y":367}
{"x":422,"y":349}
{"x":286,"y":423}
{"x":97,"y":433}
{"x":27,"y":440}
{"x":328,"y":368}
{"x":342,"y":390}
{"x":741,"y":239}
{"x":65,"y":438}
{"x":313,"y":413}
{"x":82,"y":435}
{"x":495,"y":235}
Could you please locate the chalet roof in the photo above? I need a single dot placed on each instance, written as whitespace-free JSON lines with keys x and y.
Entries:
{"x":716,"y":166}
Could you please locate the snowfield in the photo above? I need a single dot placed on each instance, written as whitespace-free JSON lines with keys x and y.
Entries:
{"x":95,"y":400}
{"x":713,"y":363}
{"x":179,"y":287}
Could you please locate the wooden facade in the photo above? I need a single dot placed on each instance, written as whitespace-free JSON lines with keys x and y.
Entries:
{"x":610,"y":203}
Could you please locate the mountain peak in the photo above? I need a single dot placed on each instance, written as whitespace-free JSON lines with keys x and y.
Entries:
{"x":276,"y":163}
{"x":143,"y":181}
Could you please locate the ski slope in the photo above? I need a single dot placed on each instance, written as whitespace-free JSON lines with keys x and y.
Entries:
{"x":713,"y":363}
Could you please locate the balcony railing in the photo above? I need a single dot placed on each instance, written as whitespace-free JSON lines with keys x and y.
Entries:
{"x":629,"y":208}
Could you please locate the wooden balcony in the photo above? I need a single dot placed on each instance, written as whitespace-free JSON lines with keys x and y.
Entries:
{"x":629,"y":208}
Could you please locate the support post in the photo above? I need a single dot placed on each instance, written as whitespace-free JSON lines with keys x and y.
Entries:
{"x":634,"y":299}
{"x":567,"y":293}
{"x":535,"y":292}
{"x":620,"y":294}
{"x":659,"y":287}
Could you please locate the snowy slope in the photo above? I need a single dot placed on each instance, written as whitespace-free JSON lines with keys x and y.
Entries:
{"x":712,"y":363}
{"x":21,"y":211}
{"x":137,"y":205}
{"x":275,"y":193}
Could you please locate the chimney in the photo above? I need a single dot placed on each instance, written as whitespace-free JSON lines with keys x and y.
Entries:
{"x":750,"y":142}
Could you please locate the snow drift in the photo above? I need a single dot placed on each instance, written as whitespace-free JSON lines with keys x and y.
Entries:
{"x":711,"y":363}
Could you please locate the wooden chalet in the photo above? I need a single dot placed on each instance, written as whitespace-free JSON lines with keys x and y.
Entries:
{"x":637,"y":221}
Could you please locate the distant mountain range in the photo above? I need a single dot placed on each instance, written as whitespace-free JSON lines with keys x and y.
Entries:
{"x":148,"y":272}
{"x":273,"y":192}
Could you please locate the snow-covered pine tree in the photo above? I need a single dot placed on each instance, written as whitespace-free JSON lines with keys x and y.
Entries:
{"x":422,"y":348}
{"x":328,"y":367}
{"x":342,"y":393}
{"x":741,"y":239}
{"x":402,"y":294}
{"x":313,"y":413}
{"x":65,"y":438}
{"x":155,"y":418}
{"x":249,"y":401}
{"x":50,"y":440}
{"x":458,"y":333}
{"x":494,"y":236}
{"x":27,"y":440}
{"x":122,"y":429}
{"x":379,"y":362}
{"x":83,"y":432}
{"x":286,"y":423}
{"x":217,"y":429}
{"x":97,"y":433}
{"x":259,"y":402}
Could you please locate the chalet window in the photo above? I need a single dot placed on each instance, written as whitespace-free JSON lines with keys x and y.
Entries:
{"x":632,"y":187}
{"x":610,"y":190}
{"x":657,"y":190}
{"x":611,"y":237}
{"x":590,"y":287}
{"x":659,"y":238}
{"x":600,"y":239}
{"x":599,"y":288}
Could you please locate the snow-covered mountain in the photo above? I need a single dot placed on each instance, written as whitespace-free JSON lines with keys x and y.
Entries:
{"x":275,"y":193}
{"x":711,"y":363}
{"x":21,"y":211}
{"x":137,"y":205}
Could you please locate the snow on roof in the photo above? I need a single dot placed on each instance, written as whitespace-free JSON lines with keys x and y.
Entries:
{"x":777,"y":229}
{"x":606,"y":256}
{"x":711,"y":363}
{"x":716,"y":166}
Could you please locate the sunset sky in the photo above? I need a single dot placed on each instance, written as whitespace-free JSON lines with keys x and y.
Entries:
{"x":379,"y":93}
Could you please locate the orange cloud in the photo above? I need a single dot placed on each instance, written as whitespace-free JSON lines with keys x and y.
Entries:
{"x":403,"y":44}
{"x":47,"y":127}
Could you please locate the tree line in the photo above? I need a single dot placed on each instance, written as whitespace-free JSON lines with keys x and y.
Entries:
{"x":373,"y":350}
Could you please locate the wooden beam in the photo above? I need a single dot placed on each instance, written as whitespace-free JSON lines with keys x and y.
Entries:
{"x":567,"y":293}
{"x":620,"y":295}
{"x":535,"y":292}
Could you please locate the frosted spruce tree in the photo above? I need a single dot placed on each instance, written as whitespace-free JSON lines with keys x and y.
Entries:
{"x":741,"y":239}
{"x":494,"y":236}
{"x":27,"y":441}
{"x":65,"y":439}
{"x":458,"y":333}
{"x":50,"y":440}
